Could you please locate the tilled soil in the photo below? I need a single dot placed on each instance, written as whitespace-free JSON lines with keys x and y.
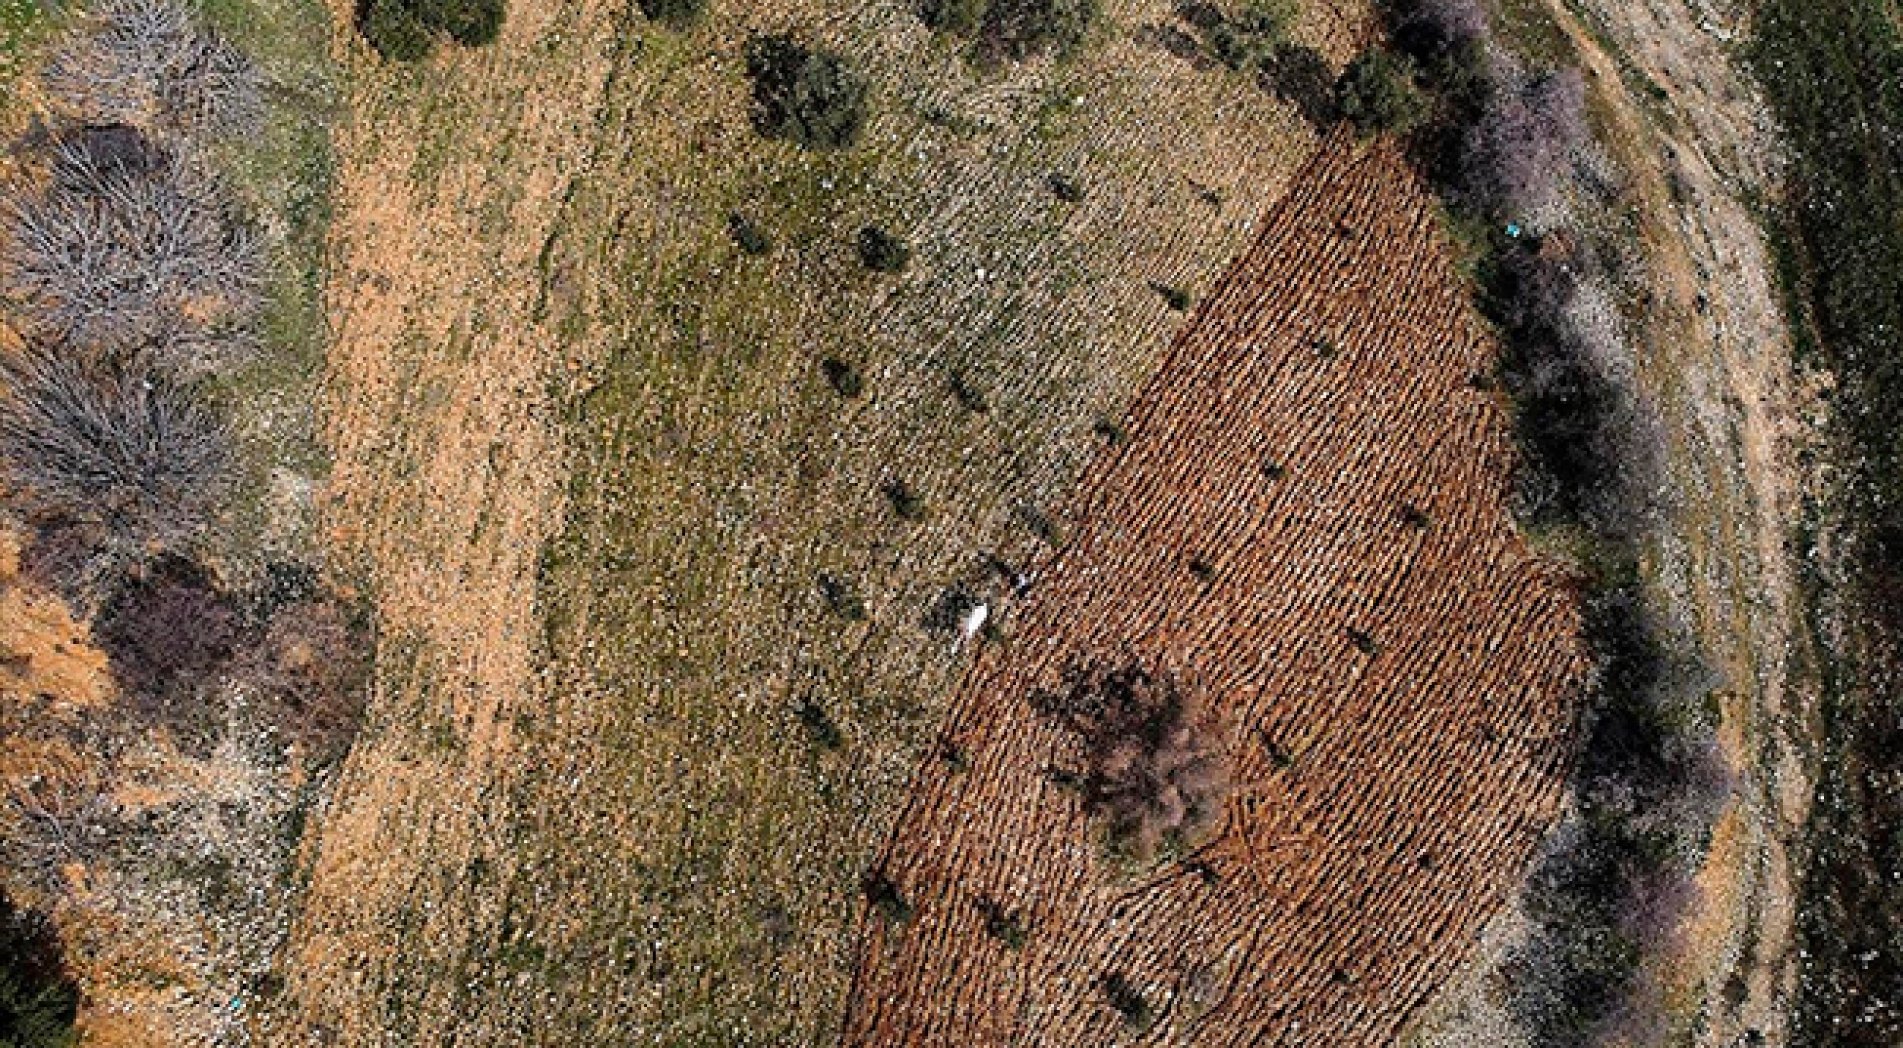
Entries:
{"x":1399,"y":692}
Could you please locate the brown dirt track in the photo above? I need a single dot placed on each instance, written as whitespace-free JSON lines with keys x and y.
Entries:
{"x":1343,"y":888}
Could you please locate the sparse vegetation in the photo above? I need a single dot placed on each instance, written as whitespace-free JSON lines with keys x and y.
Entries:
{"x":809,"y":97}
{"x":1155,"y":769}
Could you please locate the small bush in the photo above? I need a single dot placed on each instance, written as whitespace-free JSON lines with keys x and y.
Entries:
{"x":676,"y":13}
{"x":38,"y":999}
{"x":122,"y":450}
{"x":844,"y":376}
{"x":958,"y":17}
{"x":949,"y":612}
{"x":1377,"y":93}
{"x":1003,"y":925}
{"x":1301,"y":77}
{"x":1066,"y":188}
{"x":882,"y":252}
{"x":149,"y":64}
{"x":407,"y":30}
{"x":748,"y":235}
{"x":1019,"y":29}
{"x":1128,"y":1001}
{"x":968,"y":394}
{"x":395,"y":30}
{"x":472,"y":23}
{"x":1246,"y":38}
{"x":1174,"y":297}
{"x":886,"y":899}
{"x":841,"y":598}
{"x":819,"y":724}
{"x":809,"y":97}
{"x":905,"y":501}
{"x":1156,"y":772}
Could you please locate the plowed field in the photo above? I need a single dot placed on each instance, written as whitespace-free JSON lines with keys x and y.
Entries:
{"x":1310,"y":515}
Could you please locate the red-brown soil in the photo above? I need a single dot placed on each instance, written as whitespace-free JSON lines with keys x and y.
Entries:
{"x":1387,"y":801}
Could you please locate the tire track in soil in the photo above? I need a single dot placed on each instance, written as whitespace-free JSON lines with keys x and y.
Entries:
{"x":1344,"y":887}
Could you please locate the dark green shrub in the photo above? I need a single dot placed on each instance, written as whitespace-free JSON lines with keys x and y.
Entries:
{"x":906,"y":502}
{"x":1377,"y":93}
{"x":843,"y":376}
{"x":968,"y":395}
{"x":841,"y":598}
{"x":392,"y":28}
{"x":1128,"y":1001}
{"x":1003,"y":925}
{"x":820,"y":724}
{"x":1301,"y":77}
{"x":676,"y":13}
{"x":886,"y":899}
{"x":407,"y":30}
{"x":38,"y":1000}
{"x":748,"y":235}
{"x":1018,"y":29}
{"x":1246,"y":39}
{"x":960,"y":17}
{"x":472,"y":23}
{"x":882,"y":252}
{"x":812,"y":98}
{"x":1174,"y":297}
{"x":1065,"y":188}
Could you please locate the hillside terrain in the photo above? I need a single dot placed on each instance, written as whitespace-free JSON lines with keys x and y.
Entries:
{"x":964,"y":522}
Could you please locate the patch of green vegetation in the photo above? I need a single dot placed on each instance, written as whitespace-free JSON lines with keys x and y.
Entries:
{"x":408,"y":30}
{"x":676,"y":14}
{"x":1377,"y":93}
{"x":807,"y":96}
{"x":38,"y":1000}
{"x":23,"y":23}
{"x":1833,"y":70}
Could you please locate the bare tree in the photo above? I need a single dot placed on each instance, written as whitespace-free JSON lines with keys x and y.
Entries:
{"x":1156,"y":770}
{"x":149,"y":63}
{"x":131,"y":250}
{"x":120,"y":451}
{"x":1518,"y":154}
